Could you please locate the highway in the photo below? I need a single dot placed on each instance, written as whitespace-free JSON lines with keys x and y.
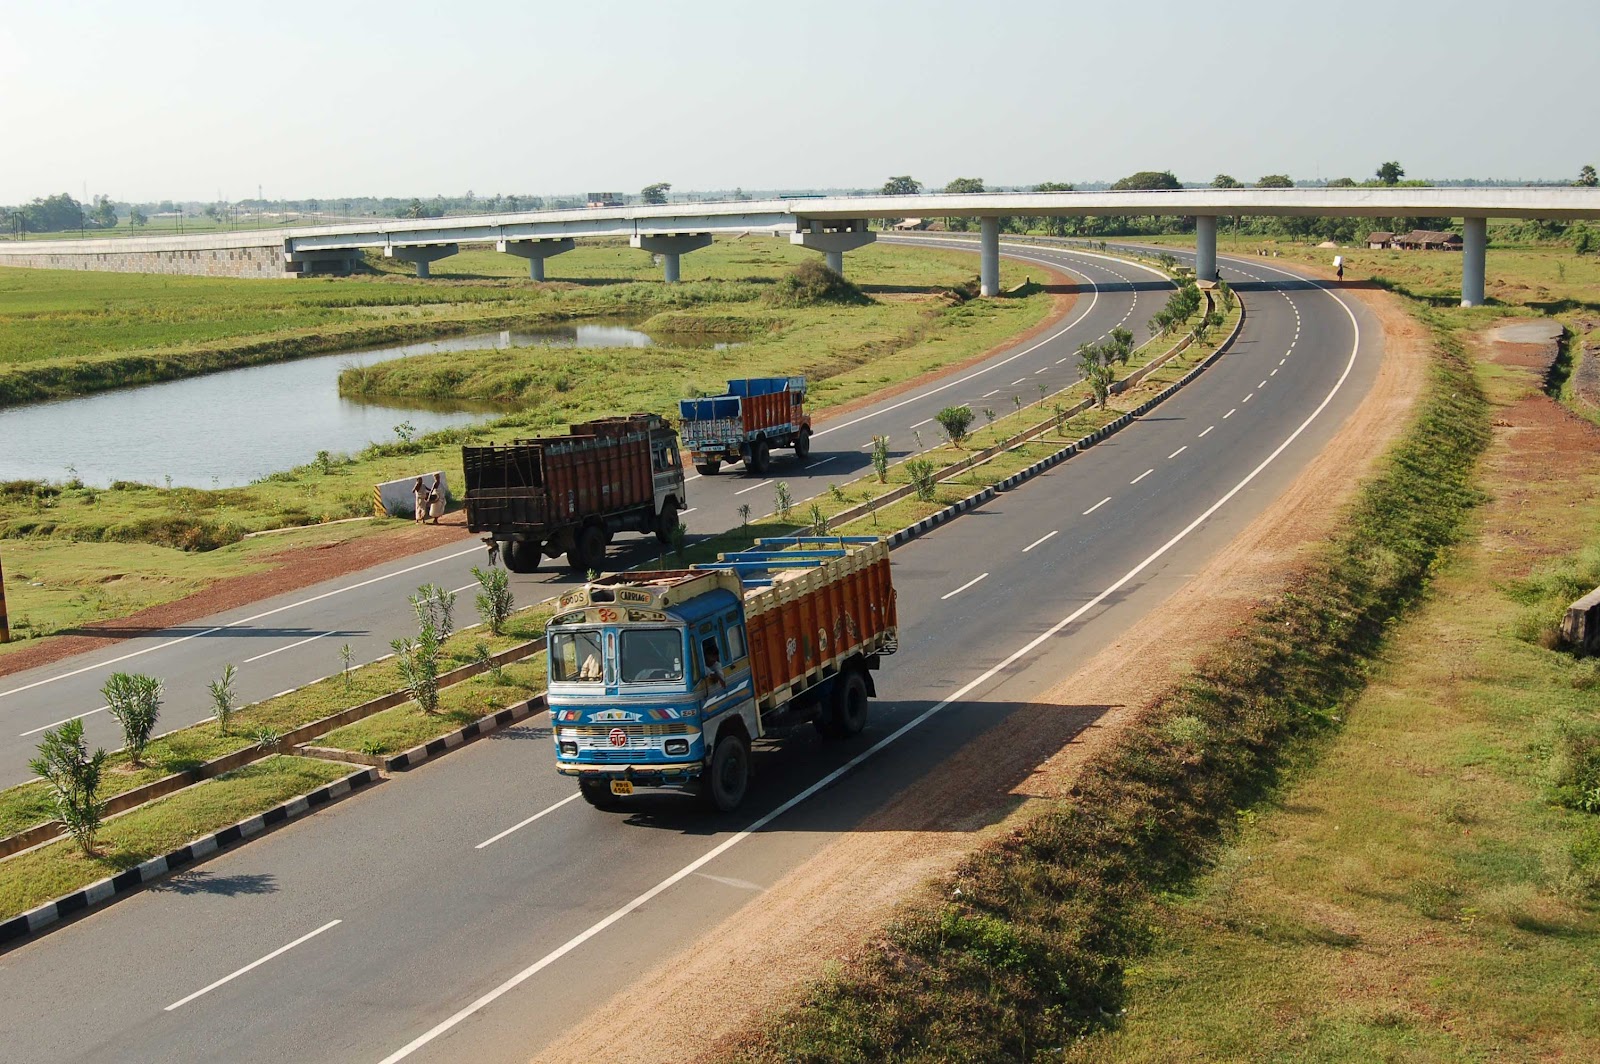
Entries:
{"x":409,"y":923}
{"x":290,"y":640}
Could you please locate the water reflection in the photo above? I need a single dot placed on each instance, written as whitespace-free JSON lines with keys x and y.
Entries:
{"x":230,"y":428}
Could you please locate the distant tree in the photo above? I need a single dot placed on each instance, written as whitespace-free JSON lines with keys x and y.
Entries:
{"x":104,"y":214}
{"x":656,"y":193}
{"x":1587,"y":177}
{"x":904,"y":185}
{"x":1225,"y":181}
{"x":965,"y":185}
{"x":1274,"y":181}
{"x":53,"y":214}
{"x":137,"y":218}
{"x":1342,"y":182}
{"x":513,"y":203}
{"x":1147,"y":180}
{"x":1055,"y":225}
{"x":415,"y":209}
{"x":1390,"y":173}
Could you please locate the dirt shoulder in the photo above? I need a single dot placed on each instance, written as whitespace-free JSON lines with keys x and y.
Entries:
{"x":300,"y":567}
{"x":833,"y":905}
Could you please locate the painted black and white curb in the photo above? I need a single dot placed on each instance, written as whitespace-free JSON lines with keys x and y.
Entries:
{"x":121,"y":885}
{"x":445,"y":743}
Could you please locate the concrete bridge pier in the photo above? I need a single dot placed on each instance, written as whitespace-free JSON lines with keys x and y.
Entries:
{"x":1474,"y":244}
{"x":989,"y":256}
{"x":421,"y":255}
{"x":670,"y":246}
{"x":535,"y":251}
{"x":833,"y":239}
{"x":1205,"y":247}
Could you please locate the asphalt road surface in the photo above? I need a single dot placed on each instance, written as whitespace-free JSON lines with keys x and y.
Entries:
{"x":472,"y":910}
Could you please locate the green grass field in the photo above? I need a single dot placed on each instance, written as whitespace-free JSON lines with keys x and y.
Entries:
{"x":75,"y":554}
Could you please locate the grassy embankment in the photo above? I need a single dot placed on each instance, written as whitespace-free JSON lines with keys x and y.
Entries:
{"x":76,"y":553}
{"x":1025,"y":950}
{"x":1430,"y":888}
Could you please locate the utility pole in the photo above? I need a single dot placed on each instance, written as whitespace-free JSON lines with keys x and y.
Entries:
{"x":5,"y":627}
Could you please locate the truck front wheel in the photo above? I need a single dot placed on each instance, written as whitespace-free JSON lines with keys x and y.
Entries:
{"x":666,"y":522}
{"x":728,"y":778}
{"x":802,"y":446}
{"x":598,"y":794}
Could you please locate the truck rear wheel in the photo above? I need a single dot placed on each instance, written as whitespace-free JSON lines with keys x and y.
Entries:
{"x":588,"y":549}
{"x":521,"y":556}
{"x":598,"y":794}
{"x":728,"y":778}
{"x":802,"y":446}
{"x":709,"y":469}
{"x":666,"y":521}
{"x":846,"y":712}
{"x":760,"y":458}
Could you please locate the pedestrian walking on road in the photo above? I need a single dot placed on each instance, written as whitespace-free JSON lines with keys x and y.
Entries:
{"x":436,"y":498}
{"x":1339,"y":273}
{"x":421,"y":495}
{"x":493,"y":547}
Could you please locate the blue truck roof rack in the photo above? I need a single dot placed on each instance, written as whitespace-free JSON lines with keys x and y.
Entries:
{"x":756,"y":564}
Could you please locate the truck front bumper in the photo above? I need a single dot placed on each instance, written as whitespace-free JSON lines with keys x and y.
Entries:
{"x":657,"y":774}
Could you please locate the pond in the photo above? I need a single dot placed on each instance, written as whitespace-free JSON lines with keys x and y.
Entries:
{"x":230,"y":428}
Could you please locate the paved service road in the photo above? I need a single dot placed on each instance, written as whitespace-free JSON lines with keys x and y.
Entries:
{"x":409,"y":923}
{"x":290,"y":640}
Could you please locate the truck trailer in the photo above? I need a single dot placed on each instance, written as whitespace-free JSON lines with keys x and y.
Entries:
{"x":570,"y":494}
{"x":746,"y":423}
{"x":665,"y":679}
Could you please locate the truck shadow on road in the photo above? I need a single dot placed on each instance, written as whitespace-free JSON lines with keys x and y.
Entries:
{"x":962,"y":770}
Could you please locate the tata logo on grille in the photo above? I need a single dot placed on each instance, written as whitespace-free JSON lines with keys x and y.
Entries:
{"x":619,"y":737}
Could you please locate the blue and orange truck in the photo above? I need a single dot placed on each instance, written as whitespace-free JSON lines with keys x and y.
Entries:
{"x":746,"y":423}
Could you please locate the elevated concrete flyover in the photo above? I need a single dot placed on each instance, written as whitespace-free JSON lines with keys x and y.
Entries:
{"x":831,"y":225}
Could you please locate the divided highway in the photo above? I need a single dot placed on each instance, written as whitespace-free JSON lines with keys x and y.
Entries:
{"x":289,"y":640}
{"x":472,"y":910}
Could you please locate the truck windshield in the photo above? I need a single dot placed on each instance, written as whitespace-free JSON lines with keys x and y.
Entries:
{"x":575,"y":657}
{"x":652,"y":655}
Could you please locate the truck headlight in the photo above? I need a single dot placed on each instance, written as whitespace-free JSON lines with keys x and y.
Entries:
{"x":676,"y":747}
{"x":569,"y":749}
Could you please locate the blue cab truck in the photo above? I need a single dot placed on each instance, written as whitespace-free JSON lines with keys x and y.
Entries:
{"x":745,"y":423}
{"x":665,"y":679}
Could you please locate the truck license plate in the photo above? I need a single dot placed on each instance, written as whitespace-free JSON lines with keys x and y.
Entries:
{"x":621,"y":786}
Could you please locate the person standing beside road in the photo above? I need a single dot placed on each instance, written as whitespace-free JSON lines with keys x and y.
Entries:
{"x":436,"y":498}
{"x":422,"y":497}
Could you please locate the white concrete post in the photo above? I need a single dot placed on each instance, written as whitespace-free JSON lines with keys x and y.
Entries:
{"x":1474,"y":243}
{"x":1205,"y":247}
{"x":989,"y":256}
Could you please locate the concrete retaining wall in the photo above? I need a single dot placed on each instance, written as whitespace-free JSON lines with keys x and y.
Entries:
{"x":1580,"y":628}
{"x":251,"y":262}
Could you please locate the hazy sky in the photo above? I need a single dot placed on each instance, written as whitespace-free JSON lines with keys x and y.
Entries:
{"x":336,"y":98}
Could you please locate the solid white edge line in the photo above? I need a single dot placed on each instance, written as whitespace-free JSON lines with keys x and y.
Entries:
{"x":291,"y":646}
{"x":1096,"y":506}
{"x":963,"y":587}
{"x":1038,"y":541}
{"x":491,"y":840}
{"x":251,"y":966}
{"x":242,"y":620}
{"x":57,"y":724}
{"x":1141,"y":476}
{"x":826,"y":781}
